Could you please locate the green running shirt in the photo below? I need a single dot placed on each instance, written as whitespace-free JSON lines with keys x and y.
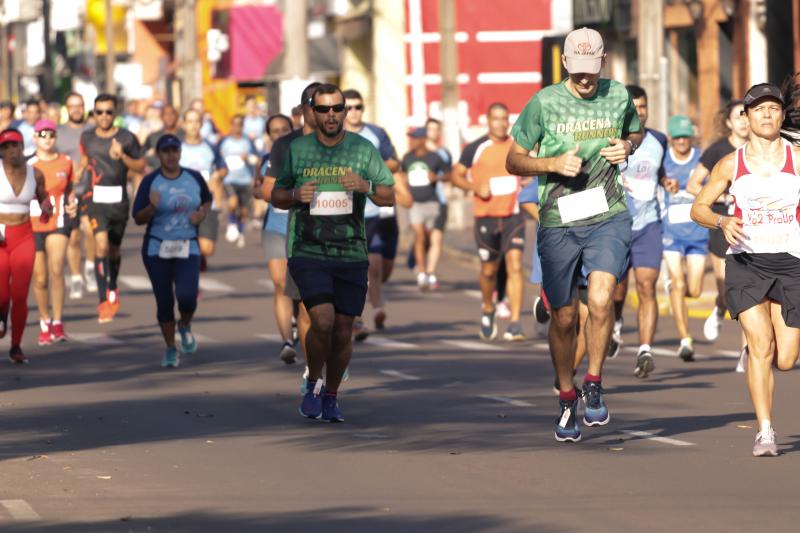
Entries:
{"x":334,"y":233}
{"x":556,"y":120}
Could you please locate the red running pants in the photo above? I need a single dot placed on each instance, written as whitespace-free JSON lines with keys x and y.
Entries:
{"x":16,"y":268}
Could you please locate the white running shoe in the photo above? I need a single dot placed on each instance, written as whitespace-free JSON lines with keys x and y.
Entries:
{"x":503,"y":310}
{"x":712,"y":325}
{"x":240,"y":241}
{"x":422,"y":281}
{"x":90,"y":282}
{"x":76,"y":287}
{"x":765,"y":445}
{"x":433,"y":282}
{"x":232,"y":233}
{"x":741,"y":365}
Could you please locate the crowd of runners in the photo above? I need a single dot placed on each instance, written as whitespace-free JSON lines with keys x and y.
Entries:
{"x":616,"y":204}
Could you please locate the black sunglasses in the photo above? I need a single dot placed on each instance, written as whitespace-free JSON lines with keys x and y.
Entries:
{"x":103,"y":111}
{"x":324,"y":109}
{"x":46,"y":134}
{"x":359,"y":107}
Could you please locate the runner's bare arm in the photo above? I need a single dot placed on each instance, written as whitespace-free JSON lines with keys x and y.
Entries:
{"x":714,"y":188}
{"x":695,"y":183}
{"x":402,"y":194}
{"x":520,"y":163}
{"x":41,"y":193}
{"x":382,"y":195}
{"x":286,"y":198}
{"x":459,"y":178}
{"x":392,"y":164}
{"x":532,"y":209}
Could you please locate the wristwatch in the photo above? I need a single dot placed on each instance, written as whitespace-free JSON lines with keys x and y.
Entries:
{"x":371,"y":191}
{"x":634,"y":146}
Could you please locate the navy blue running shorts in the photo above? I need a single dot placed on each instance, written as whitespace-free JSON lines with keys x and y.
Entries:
{"x":567,"y":252}
{"x":341,"y":283}
{"x":382,"y":236}
{"x":647,"y":247}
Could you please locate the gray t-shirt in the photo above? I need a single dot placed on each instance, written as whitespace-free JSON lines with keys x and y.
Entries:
{"x":68,"y":140}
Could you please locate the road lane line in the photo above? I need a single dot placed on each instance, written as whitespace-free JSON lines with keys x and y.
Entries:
{"x":400,"y":375}
{"x":388,"y":343}
{"x":266,"y":283}
{"x":651,"y":436}
{"x":509,"y":401}
{"x":474,"y":345}
{"x":272,"y":337}
{"x":729,"y":353}
{"x":371,"y":435}
{"x":213,"y":285}
{"x":472,"y":293}
{"x":20,"y":510}
{"x":136,"y":283}
{"x":94,"y":338}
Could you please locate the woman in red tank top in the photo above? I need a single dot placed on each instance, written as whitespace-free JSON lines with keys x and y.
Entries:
{"x":762,"y":268}
{"x":51,"y":235}
{"x":19,"y":185}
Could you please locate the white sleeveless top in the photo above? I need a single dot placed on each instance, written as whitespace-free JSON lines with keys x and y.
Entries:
{"x":768,"y":206}
{"x":10,"y":203}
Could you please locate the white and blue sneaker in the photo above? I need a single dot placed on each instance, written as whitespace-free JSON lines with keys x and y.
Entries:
{"x":171,"y":358}
{"x":567,"y":428}
{"x":188,"y":342}
{"x":595,"y":412}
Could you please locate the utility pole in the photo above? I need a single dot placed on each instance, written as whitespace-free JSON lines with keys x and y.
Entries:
{"x":5,"y":66}
{"x":295,"y":63}
{"x":448,"y":59}
{"x":651,"y":51}
{"x":190,"y":59}
{"x":110,"y":59}
{"x":47,"y":73}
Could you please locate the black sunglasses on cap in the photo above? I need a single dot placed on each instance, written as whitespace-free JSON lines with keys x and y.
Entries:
{"x":324,"y":109}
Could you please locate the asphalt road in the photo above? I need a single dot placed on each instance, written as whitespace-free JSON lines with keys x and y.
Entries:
{"x":443,"y":432}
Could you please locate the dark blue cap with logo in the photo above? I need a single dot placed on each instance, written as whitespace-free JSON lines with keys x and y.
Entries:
{"x":763,"y":90}
{"x":418,"y":133}
{"x":168,"y":141}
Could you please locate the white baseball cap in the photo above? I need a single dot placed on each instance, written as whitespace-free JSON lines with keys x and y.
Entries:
{"x":584,"y":52}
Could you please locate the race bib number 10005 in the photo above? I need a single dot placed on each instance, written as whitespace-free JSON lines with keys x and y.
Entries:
{"x":328,"y":203}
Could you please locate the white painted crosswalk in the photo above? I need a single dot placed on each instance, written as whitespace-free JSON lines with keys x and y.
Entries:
{"x":142,"y":283}
{"x":20,"y":511}
{"x":98,"y":339}
{"x":383,"y":342}
{"x":474,"y":346}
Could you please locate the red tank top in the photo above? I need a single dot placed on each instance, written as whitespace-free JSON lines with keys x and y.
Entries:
{"x":57,"y":175}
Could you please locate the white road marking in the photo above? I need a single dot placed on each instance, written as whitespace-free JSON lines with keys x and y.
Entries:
{"x":400,"y":375}
{"x":213,"y":285}
{"x":509,"y":401}
{"x":387,"y":343}
{"x":267,"y":283}
{"x":474,"y":345}
{"x":729,"y":353}
{"x":472,"y":293}
{"x":542,"y":346}
{"x":95,"y":338}
{"x":136,"y":283}
{"x":20,"y":510}
{"x":651,"y":436}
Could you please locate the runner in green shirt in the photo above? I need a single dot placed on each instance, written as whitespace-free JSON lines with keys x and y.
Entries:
{"x":584,"y":128}
{"x":325,"y":180}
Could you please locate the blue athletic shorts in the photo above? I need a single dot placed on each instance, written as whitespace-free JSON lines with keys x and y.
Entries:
{"x":382,"y":236}
{"x":684,"y":247}
{"x":646,"y":247}
{"x":568,"y":252}
{"x":341,"y":283}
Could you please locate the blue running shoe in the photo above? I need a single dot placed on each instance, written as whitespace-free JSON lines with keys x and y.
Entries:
{"x":312,"y":402}
{"x":330,"y":410}
{"x":171,"y":359}
{"x":188,"y":342}
{"x":595,"y":412}
{"x":567,"y":428}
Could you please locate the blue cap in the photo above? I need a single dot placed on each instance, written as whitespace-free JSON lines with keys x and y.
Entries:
{"x":418,"y":133}
{"x":168,"y":141}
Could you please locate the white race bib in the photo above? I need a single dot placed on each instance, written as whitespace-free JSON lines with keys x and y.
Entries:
{"x":680,"y":213}
{"x":327,"y":203}
{"x":234,"y":162}
{"x":418,"y":177}
{"x":206,"y":175}
{"x":103,"y":194}
{"x":584,"y":204}
{"x":36,"y":209}
{"x":386,"y":212}
{"x":641,"y":189}
{"x":174,"y":249}
{"x":503,"y":185}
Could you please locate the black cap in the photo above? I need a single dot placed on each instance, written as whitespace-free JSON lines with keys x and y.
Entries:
{"x":167,"y":141}
{"x":763,"y":90}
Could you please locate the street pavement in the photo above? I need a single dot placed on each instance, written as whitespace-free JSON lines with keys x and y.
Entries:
{"x":443,"y":432}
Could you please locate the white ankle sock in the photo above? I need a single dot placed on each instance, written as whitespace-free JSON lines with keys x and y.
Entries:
{"x":45,"y":325}
{"x":766,"y":427}
{"x":644,"y":348}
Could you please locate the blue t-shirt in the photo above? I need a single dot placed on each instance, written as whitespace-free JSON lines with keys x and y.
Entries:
{"x":202,"y":158}
{"x":380,"y":140}
{"x":677,"y":223}
{"x":275,"y":220}
{"x":253,"y":127}
{"x":645,"y":167}
{"x":232,"y":149}
{"x":530,"y":193}
{"x":27,"y":131}
{"x":180,"y":197}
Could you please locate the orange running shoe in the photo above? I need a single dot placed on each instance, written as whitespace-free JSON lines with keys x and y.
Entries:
{"x":104,"y":312}
{"x":113,"y":299}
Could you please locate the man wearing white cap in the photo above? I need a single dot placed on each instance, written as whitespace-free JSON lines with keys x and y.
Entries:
{"x":584,"y":128}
